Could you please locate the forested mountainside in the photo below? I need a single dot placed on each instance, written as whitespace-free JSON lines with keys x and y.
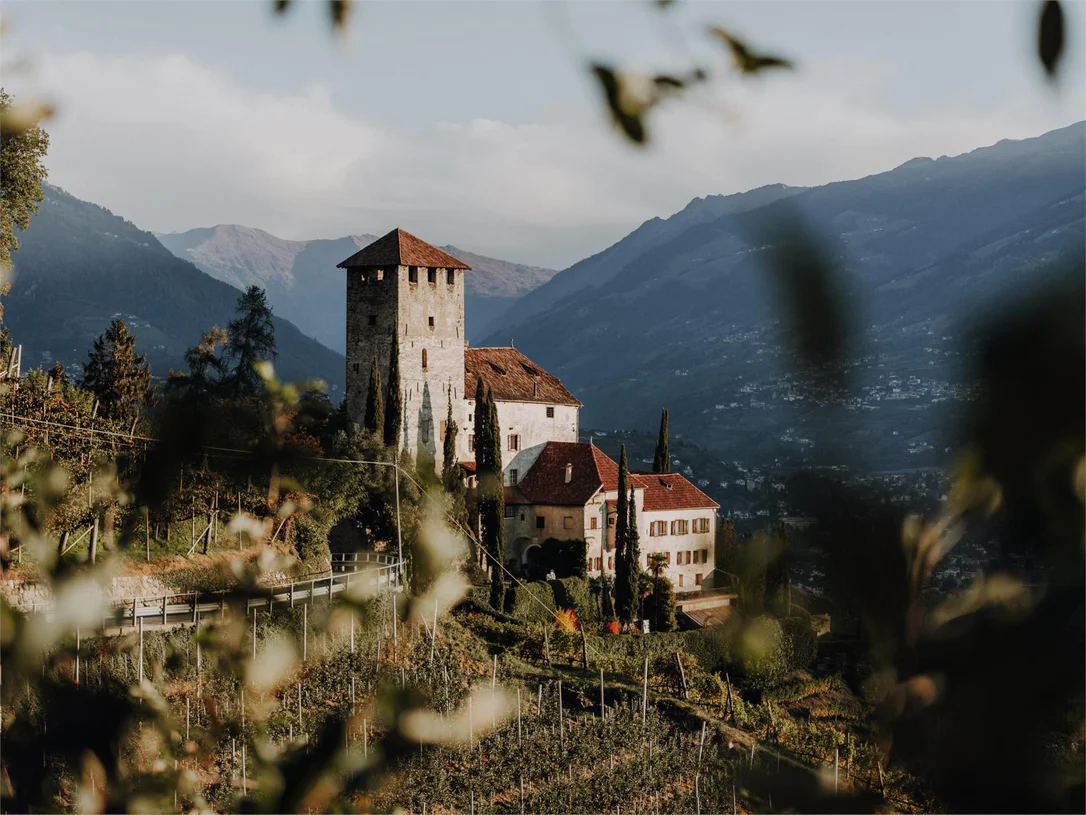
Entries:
{"x":682,"y":312}
{"x":79,"y":266}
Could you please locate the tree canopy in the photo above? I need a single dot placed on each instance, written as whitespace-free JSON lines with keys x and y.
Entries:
{"x":252,"y":338}
{"x":118,"y":376}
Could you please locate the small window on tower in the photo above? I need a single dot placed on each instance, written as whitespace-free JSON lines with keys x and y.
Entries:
{"x":550,"y":413}
{"x":450,"y":277}
{"x":372,"y":320}
{"x":442,"y":431}
{"x":431,"y":277}
{"x":380,"y":274}
{"x":514,"y":442}
{"x":471,"y":442}
{"x":431,"y":322}
{"x":424,"y":359}
{"x":356,"y":367}
{"x":413,"y":274}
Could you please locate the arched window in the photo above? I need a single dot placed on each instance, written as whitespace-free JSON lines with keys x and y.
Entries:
{"x":424,"y":359}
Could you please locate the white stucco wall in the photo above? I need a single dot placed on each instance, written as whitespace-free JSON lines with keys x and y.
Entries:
{"x":529,"y":420}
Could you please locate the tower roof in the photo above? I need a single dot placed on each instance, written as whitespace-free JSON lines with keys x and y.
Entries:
{"x":399,"y":248}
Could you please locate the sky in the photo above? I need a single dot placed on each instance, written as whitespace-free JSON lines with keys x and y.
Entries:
{"x":479,"y":124}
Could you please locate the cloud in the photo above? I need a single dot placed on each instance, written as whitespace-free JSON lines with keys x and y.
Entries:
{"x":172,"y":144}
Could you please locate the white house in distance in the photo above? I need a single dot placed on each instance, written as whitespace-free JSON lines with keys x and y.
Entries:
{"x":571,"y":491}
{"x":406,"y":297}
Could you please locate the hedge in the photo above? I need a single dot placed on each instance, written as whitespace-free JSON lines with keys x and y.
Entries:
{"x":521,"y":601}
{"x":572,"y":592}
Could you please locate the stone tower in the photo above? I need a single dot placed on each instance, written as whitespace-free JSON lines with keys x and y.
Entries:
{"x":401,"y":287}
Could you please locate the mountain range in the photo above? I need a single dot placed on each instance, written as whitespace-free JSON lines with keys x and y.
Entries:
{"x":79,"y":266}
{"x":683,"y":312}
{"x":304,"y":285}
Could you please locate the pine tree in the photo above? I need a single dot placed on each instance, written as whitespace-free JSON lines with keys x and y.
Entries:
{"x":118,"y":376}
{"x":394,"y":409}
{"x":661,"y":461}
{"x":207,"y":368}
{"x":374,"y":419}
{"x":251,"y":339}
{"x":633,"y":560}
{"x":623,"y":598}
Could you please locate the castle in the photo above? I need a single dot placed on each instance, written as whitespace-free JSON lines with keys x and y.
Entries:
{"x":405,"y":296}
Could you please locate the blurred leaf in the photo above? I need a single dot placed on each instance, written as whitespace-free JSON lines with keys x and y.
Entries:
{"x":629,"y":120}
{"x":281,"y":6}
{"x":747,"y":60}
{"x":1050,"y":36}
{"x":339,"y":10}
{"x":18,"y":119}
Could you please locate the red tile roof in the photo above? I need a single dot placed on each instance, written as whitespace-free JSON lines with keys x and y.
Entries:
{"x":592,"y":471}
{"x":513,"y":377}
{"x":668,"y":491}
{"x":546,"y":483}
{"x":399,"y":248}
{"x":468,"y":466}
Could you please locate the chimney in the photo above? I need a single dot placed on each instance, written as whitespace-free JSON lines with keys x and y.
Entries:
{"x":569,"y":473}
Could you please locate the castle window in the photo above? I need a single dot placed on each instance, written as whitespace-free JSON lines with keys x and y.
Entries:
{"x":550,"y":413}
{"x":611,"y":521}
{"x":442,"y":430}
{"x":431,"y":277}
{"x":424,"y":359}
{"x":658,"y":529}
{"x":510,"y":511}
{"x":678,"y":527}
{"x":431,"y":322}
{"x":356,"y":367}
{"x":471,"y":442}
{"x":701,"y":524}
{"x":540,"y":522}
{"x":372,"y":320}
{"x":514,"y":477}
{"x":688,"y":554}
{"x":697,"y":579}
{"x":413,"y":274}
{"x":594,"y":522}
{"x":380,"y":274}
{"x":680,"y":581}
{"x":450,"y":276}
{"x":514,"y":442}
{"x":610,"y":563}
{"x":567,"y":522}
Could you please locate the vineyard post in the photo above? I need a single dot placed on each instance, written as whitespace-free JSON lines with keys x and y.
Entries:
{"x":147,"y":531}
{"x":471,"y":726}
{"x":239,"y":543}
{"x":216,"y":518}
{"x":192,"y":534}
{"x":199,"y":664}
{"x":395,"y":614}
{"x":682,"y":675}
{"x":365,"y":740}
{"x":753,"y":747}
{"x":546,"y":643}
{"x":561,"y":721}
{"x":352,"y":692}
{"x":233,"y":758}
{"x":254,"y":633}
{"x":77,"y":656}
{"x":244,"y":777}
{"x":836,"y":755}
{"x":603,"y":706}
{"x":730,"y":706}
{"x":93,"y":542}
{"x":305,"y":632}
{"x":187,"y":713}
{"x":522,"y":795}
{"x":584,"y":649}
{"x":539,"y":701}
{"x":300,"y":707}
{"x":882,"y":780}
{"x":433,"y":633}
{"x":518,"y":719}
{"x":352,"y":634}
{"x":241,"y":705}
{"x":645,"y":694}
{"x":141,"y":644}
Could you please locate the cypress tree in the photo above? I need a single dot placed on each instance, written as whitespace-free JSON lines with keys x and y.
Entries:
{"x":496,"y":507}
{"x":482,"y":415}
{"x":394,"y":412}
{"x":633,"y":560}
{"x":623,"y":600}
{"x":374,"y":419}
{"x":661,"y":461}
{"x":448,"y":460}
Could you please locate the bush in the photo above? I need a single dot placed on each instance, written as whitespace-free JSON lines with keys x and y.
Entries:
{"x":762,"y":658}
{"x":532,"y":602}
{"x":660,"y":611}
{"x":799,"y":641}
{"x":566,"y":619}
{"x":573,"y":593}
{"x":566,"y":558}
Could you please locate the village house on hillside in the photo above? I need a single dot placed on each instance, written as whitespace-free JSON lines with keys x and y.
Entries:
{"x":405,"y":296}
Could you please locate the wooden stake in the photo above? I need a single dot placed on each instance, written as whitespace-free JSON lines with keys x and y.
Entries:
{"x":645,"y":694}
{"x":682,"y":675}
{"x":93,"y":542}
{"x":519,"y":734}
{"x":77,"y":656}
{"x":141,"y":646}
{"x":433,"y":634}
{"x":603,"y":706}
{"x":561,"y":720}
{"x":836,"y":755}
{"x":305,"y":632}
{"x":147,"y":531}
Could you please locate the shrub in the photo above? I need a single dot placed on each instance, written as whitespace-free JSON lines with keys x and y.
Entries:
{"x":573,"y":593}
{"x":660,"y":611}
{"x":761,"y":653}
{"x":612,"y":627}
{"x":799,"y":641}
{"x":566,"y":619}
{"x":533,"y":602}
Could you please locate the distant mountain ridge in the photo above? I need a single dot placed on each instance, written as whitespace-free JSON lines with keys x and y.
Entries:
{"x":79,"y":266}
{"x":681,"y":312}
{"x":304,"y":285}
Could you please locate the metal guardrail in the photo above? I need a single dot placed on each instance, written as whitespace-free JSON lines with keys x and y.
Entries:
{"x":378,"y":571}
